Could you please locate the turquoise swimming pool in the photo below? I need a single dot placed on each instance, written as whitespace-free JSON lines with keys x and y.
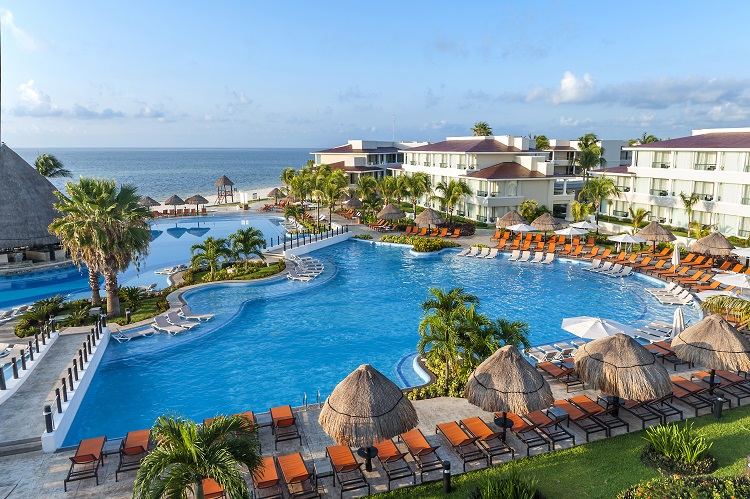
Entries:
{"x":271,"y":342}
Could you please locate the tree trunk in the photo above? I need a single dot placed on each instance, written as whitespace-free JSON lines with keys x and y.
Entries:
{"x":199,"y":490}
{"x":96,"y":299}
{"x":447,"y":373}
{"x":113,"y":293}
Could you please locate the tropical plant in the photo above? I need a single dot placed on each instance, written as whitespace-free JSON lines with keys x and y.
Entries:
{"x":187,"y":453}
{"x":700,"y":230}
{"x":453,"y":192}
{"x":387,"y":188}
{"x":104,"y":227}
{"x":679,"y":443}
{"x":133,"y":296}
{"x":371,"y":204}
{"x":246,"y":242}
{"x":49,"y":166}
{"x":507,"y":486}
{"x":286,"y":176}
{"x":336,"y":186}
{"x":590,"y":156}
{"x":597,"y":190}
{"x":292,"y":211}
{"x":481,"y":128}
{"x":367,"y":186}
{"x":688,"y":202}
{"x":733,"y":305}
{"x":579,"y":210}
{"x":301,"y":185}
{"x":417,"y":185}
{"x":637,"y":216}
{"x":507,"y":332}
{"x":541,"y":142}
{"x":209,"y":253}
{"x":527,"y":209}
{"x":646,"y":138}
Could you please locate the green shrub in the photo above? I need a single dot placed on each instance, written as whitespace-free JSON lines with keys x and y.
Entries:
{"x":675,"y":487}
{"x":423,"y":245}
{"x":133,"y":296}
{"x":364,"y":237}
{"x":678,"y":443}
{"x":507,"y":486}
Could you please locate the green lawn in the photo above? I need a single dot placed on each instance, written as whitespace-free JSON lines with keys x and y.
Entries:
{"x":604,"y":468}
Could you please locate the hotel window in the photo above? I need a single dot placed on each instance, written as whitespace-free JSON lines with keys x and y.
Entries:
{"x":705,"y":190}
{"x":746,"y":195}
{"x":661,"y":159}
{"x":659,"y":187}
{"x":511,"y":187}
{"x":443,"y":161}
{"x":705,"y":161}
{"x":747,"y":163}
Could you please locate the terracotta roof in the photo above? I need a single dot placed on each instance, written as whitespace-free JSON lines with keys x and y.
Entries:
{"x":508,"y":170}
{"x":348,"y":149}
{"x":562,"y":148}
{"x":724,"y":140}
{"x":353,"y":169}
{"x":470,"y":146}
{"x":614,"y":169}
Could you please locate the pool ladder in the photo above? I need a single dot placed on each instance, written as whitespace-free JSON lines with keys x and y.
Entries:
{"x":318,"y":401}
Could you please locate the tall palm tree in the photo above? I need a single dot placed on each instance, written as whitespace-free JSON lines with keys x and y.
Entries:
{"x":443,"y":302}
{"x":591,"y":155}
{"x":528,"y":209}
{"x":387,"y":188}
{"x":440,"y":339}
{"x":597,"y":190}
{"x":49,"y":166}
{"x":246,"y":242}
{"x":292,"y":211}
{"x":579,"y":210}
{"x":210,"y":252}
{"x":371,"y":204}
{"x":481,"y":128}
{"x":453,"y":193}
{"x":417,"y":185}
{"x":367,"y":186}
{"x":645,"y":138}
{"x":105,"y":228}
{"x":507,"y":332}
{"x":319,"y":195}
{"x":688,"y":202}
{"x":187,"y":453}
{"x":541,"y":142}
{"x":301,"y":186}
{"x":287,"y":175}
{"x":335,"y":187}
{"x":637,"y":216}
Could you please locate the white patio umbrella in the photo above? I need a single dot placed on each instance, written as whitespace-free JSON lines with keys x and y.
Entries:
{"x":707,"y":294}
{"x":628,"y":239}
{"x":678,"y":322}
{"x":676,"y":256}
{"x":595,"y":327}
{"x":743,"y":252}
{"x":571,"y":231}
{"x":521,"y":228}
{"x":737,"y":280}
{"x":585,"y":225}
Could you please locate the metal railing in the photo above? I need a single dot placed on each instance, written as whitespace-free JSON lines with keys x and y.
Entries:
{"x":461,"y":166}
{"x":443,"y":165}
{"x":426,"y":163}
{"x":704,"y":166}
{"x":658,"y":192}
{"x":318,"y":400}
{"x":705,"y":197}
{"x":618,"y":213}
{"x":482,"y":194}
{"x":304,"y":238}
{"x":660,"y":164}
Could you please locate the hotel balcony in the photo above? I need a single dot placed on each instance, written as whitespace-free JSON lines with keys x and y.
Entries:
{"x":705,"y":197}
{"x":659,"y":164}
{"x":658,"y":192}
{"x":704,"y":166}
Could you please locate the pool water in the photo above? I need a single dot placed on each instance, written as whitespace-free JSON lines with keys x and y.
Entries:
{"x":170,"y":246}
{"x":271,"y":342}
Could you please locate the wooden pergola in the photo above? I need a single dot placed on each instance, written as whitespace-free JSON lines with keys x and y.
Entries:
{"x":224,"y":190}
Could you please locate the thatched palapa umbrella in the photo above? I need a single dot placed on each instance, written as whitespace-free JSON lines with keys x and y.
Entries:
{"x":275,"y":193}
{"x":715,"y":344}
{"x":197,"y":200}
{"x":366,"y":407}
{"x":391,"y":212}
{"x":510,"y":218}
{"x":352,"y":203}
{"x":506,"y":382}
{"x":429,"y":217}
{"x":149,"y":202}
{"x":620,"y":366}
{"x":546,"y":223}
{"x":174,"y":201}
{"x":656,"y":234}
{"x":714,"y":244}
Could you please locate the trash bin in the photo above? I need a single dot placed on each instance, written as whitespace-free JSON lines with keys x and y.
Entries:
{"x":718,"y":406}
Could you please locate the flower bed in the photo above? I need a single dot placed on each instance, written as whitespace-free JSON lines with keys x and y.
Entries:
{"x":676,"y":487}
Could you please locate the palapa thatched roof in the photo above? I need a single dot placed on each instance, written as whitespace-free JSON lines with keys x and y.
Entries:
{"x":352,"y":203}
{"x":429,"y":217}
{"x":196,"y":200}
{"x":223,"y":181}
{"x":715,"y":344}
{"x":510,"y":218}
{"x":366,"y":406}
{"x":149,"y":202}
{"x":275,"y":193}
{"x":391,"y":212}
{"x":618,"y":365}
{"x":506,"y":382}
{"x":546,"y":222}
{"x":174,"y":200}
{"x":714,"y":244}
{"x":656,"y":233}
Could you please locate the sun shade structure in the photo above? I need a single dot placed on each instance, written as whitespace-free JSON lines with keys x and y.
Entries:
{"x":429,"y":217}
{"x":510,"y":218}
{"x":595,"y":327}
{"x":197,"y":200}
{"x":715,"y":344}
{"x":149,"y":202}
{"x":714,"y":244}
{"x":366,"y":406}
{"x":585,"y":225}
{"x":352,"y":203}
{"x":391,"y":212}
{"x":626,"y":238}
{"x":275,"y":194}
{"x":656,"y":234}
{"x":26,"y":206}
{"x":224,"y":190}
{"x":521,"y":228}
{"x":571,"y":231}
{"x":737,"y":280}
{"x":546,"y":223}
{"x":678,"y":321}
{"x":174,"y":201}
{"x":620,"y":366}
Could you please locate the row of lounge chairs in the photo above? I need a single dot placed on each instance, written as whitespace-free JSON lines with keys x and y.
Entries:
{"x":525,"y":256}
{"x":671,"y":294}
{"x":306,"y":268}
{"x":180,"y":212}
{"x":436,"y":232}
{"x":477,"y":252}
{"x":608,"y":268}
{"x":292,"y":226}
{"x":177,"y":322}
{"x":172,"y":270}
{"x":7,"y":315}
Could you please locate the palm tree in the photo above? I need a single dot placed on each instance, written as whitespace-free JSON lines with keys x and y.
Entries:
{"x":292,"y":211}
{"x":735,"y":306}
{"x":596,"y":190}
{"x":187,"y":453}
{"x":453,"y":192}
{"x":481,"y":128}
{"x":286,"y":177}
{"x":541,"y":142}
{"x":442,"y":302}
{"x":638,"y":216}
{"x":646,"y":138}
{"x":439,"y":340}
{"x":417,"y":185}
{"x":209,"y":253}
{"x":246,"y":242}
{"x":508,"y":332}
{"x":590,"y":155}
{"x":49,"y":166}
{"x":372,"y":204}
{"x":105,"y":228}
{"x":579,"y":210}
{"x":318,"y":194}
{"x":335,"y":187}
{"x":387,"y":188}
{"x":301,"y":185}
{"x":699,"y":230}
{"x":367,"y":186}
{"x":688,"y":202}
{"x":528,"y":209}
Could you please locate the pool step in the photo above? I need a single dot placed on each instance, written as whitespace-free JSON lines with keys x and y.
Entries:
{"x":23,"y":446}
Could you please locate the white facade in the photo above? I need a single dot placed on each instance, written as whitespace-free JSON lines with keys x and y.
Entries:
{"x":562,"y":151}
{"x":713,"y":163}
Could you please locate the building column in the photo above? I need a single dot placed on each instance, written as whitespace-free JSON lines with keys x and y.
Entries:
{"x":569,"y":212}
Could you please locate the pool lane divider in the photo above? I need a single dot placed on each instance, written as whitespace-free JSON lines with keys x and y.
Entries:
{"x":13,"y":384}
{"x":63,"y":412}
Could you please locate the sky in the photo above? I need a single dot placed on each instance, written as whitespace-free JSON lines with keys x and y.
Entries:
{"x":315,"y":74}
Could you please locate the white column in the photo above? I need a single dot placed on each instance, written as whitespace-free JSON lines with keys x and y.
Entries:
{"x":569,"y":212}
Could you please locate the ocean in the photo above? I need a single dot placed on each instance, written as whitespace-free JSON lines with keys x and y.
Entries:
{"x":160,"y":173}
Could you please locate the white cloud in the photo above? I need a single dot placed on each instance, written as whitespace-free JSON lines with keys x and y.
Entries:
{"x":151,"y":113}
{"x":26,"y":41}
{"x":729,"y":111}
{"x":34,"y":102}
{"x":570,"y":122}
{"x":434,"y":125}
{"x":574,"y":89}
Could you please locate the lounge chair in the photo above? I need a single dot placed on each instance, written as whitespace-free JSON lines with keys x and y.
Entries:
{"x":186,"y":313}
{"x":266,"y":483}
{"x":514,"y":255}
{"x":443,"y":232}
{"x":474,"y":251}
{"x":733,"y":384}
{"x":616,"y":268}
{"x":393,"y":462}
{"x":284,"y":425}
{"x":527,"y":433}
{"x":346,"y":469}
{"x":299,"y":481}
{"x":161,"y":324}
{"x":492,"y":253}
{"x":548,"y":258}
{"x":212,"y":490}
{"x":567,"y":376}
{"x":607,"y":416}
{"x":624,"y":272}
{"x":663,"y":407}
{"x":543,"y":353}
{"x":605,"y":267}
{"x":483,"y":253}
{"x":464,"y":252}
{"x":490,"y":442}
{"x":690,"y":393}
{"x":643,"y":263}
{"x":551,"y":428}
{"x":582,"y":419}
{"x":456,"y":233}
{"x":86,"y":461}
{"x":133,"y":449}
{"x":666,"y":289}
{"x":568,"y":248}
{"x":538,"y":257}
{"x":595,"y":264}
{"x":464,"y":445}
{"x":594,"y":252}
{"x":497,"y":236}
{"x":176,"y":320}
{"x":577,"y":251}
{"x":425,"y":456}
{"x":525,"y":256}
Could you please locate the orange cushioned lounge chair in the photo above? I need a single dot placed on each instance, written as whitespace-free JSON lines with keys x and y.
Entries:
{"x":299,"y":481}
{"x":266,"y":483}
{"x":347,"y":471}
{"x":133,"y":449}
{"x":393,"y":462}
{"x":490,"y":441}
{"x":424,"y":455}
{"x":284,"y":425}
{"x":85,"y":464}
{"x":464,"y":445}
{"x":212,"y":490}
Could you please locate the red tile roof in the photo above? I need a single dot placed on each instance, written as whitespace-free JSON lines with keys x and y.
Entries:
{"x":562,"y":148}
{"x":348,"y":149}
{"x":614,"y":169}
{"x":353,"y":169}
{"x":723,"y":140}
{"x":508,"y":170}
{"x":469,"y":146}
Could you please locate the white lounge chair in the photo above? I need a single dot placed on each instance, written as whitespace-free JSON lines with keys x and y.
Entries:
{"x":166,"y":271}
{"x":188,"y":314}
{"x":672,"y":292}
{"x":669,"y":287}
{"x":161,"y":324}
{"x":624,"y":272}
{"x":5,"y":349}
{"x":544,"y":353}
{"x":577,"y":343}
{"x":493,"y":253}
{"x":595,"y":264}
{"x":648,"y":336}
{"x":681,"y":299}
{"x":484,"y":253}
{"x":525,"y":256}
{"x":474,"y":251}
{"x":538,"y":257}
{"x":604,"y":268}
{"x":566,"y":351}
{"x":464,"y":252}
{"x":514,"y":255}
{"x":548,"y":258}
{"x":176,"y":320}
{"x":148,"y":288}
{"x":615,"y":269}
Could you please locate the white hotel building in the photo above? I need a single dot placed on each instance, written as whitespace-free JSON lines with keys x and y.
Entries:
{"x":714,"y":163}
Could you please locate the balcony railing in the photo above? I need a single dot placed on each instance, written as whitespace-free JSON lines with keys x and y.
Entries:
{"x":443,"y":165}
{"x":706,"y":197}
{"x":618,"y":213}
{"x":659,"y":192}
{"x":482,"y":194}
{"x":413,"y":163}
{"x":660,"y":164}
{"x":495,"y":194}
{"x":461,"y":166}
{"x":426,"y":163}
{"x":745,"y":201}
{"x":704,"y":166}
